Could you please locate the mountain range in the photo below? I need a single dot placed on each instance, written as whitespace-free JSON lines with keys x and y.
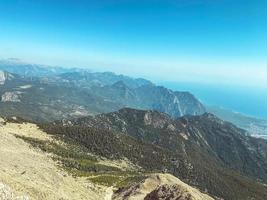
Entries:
{"x":72,"y":92}
{"x":75,"y":94}
{"x":126,"y":133}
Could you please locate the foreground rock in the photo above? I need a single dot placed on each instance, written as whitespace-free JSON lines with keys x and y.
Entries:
{"x":160,"y":187}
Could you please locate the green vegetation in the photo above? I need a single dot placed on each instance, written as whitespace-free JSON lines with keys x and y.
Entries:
{"x":78,"y":162}
{"x":112,"y":145}
{"x":71,"y":157}
{"x":116,"y":180}
{"x":66,"y":151}
{"x":129,"y":180}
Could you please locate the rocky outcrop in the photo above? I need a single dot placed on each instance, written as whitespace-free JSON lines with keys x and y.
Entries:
{"x":160,"y":187}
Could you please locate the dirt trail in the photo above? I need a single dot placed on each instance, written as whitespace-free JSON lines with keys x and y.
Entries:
{"x":30,"y":172}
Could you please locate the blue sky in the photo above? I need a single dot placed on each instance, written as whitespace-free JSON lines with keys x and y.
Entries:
{"x":217,"y":49}
{"x":200,"y":40}
{"x":203,"y":41}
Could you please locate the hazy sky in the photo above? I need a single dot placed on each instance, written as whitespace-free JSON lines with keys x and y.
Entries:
{"x":207,"y":41}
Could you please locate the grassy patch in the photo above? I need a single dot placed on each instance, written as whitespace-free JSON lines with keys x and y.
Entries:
{"x":105,"y":179}
{"x":130,"y":180}
{"x":115,"y":180}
